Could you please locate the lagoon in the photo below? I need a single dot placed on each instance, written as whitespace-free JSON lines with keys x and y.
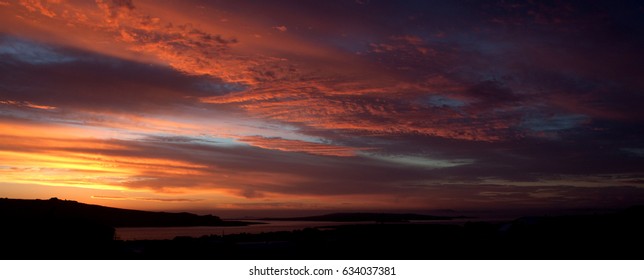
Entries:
{"x":161,"y":233}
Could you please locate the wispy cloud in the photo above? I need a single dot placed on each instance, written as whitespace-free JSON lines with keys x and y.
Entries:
{"x":146,"y":198}
{"x":289,"y":145}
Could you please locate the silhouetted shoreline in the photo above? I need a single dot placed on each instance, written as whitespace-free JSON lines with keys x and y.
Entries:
{"x":593,"y":236}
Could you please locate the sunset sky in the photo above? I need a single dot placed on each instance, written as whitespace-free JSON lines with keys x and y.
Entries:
{"x":328,"y":105}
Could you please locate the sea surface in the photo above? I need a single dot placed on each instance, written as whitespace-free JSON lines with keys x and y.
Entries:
{"x":160,"y":233}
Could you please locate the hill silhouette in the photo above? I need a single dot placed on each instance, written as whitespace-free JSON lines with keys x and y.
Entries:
{"x":34,"y":210}
{"x":55,"y":229}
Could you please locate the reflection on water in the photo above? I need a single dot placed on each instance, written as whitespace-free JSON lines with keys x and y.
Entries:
{"x":158,"y":233}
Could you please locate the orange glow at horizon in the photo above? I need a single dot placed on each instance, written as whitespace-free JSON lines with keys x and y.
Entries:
{"x":55,"y":161}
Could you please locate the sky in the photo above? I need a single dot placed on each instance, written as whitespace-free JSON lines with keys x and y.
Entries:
{"x":323,"y":105}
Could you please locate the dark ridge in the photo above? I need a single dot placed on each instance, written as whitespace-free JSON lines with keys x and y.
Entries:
{"x":63,"y":229}
{"x":33,"y":211}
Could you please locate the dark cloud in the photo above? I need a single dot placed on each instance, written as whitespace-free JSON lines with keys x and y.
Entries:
{"x":70,"y":79}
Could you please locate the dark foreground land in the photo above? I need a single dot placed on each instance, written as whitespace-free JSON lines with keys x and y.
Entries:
{"x":601,"y":236}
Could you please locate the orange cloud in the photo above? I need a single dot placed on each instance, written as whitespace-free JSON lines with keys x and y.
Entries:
{"x":55,"y":155}
{"x":308,"y":85}
{"x":179,"y":200}
{"x":288,"y":145}
{"x":39,"y":6}
{"x":26,"y":104}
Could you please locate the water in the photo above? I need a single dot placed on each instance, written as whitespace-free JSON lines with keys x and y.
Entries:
{"x":159,"y":233}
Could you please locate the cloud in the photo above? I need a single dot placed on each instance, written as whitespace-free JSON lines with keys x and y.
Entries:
{"x":113,"y":7}
{"x":280,"y":28}
{"x":73,"y":79}
{"x":38,"y":6}
{"x":26,"y":104}
{"x":289,"y":145}
{"x":422,"y":104}
{"x":31,"y":52}
{"x":146,"y":198}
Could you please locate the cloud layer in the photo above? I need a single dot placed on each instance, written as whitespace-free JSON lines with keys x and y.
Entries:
{"x":315,"y":105}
